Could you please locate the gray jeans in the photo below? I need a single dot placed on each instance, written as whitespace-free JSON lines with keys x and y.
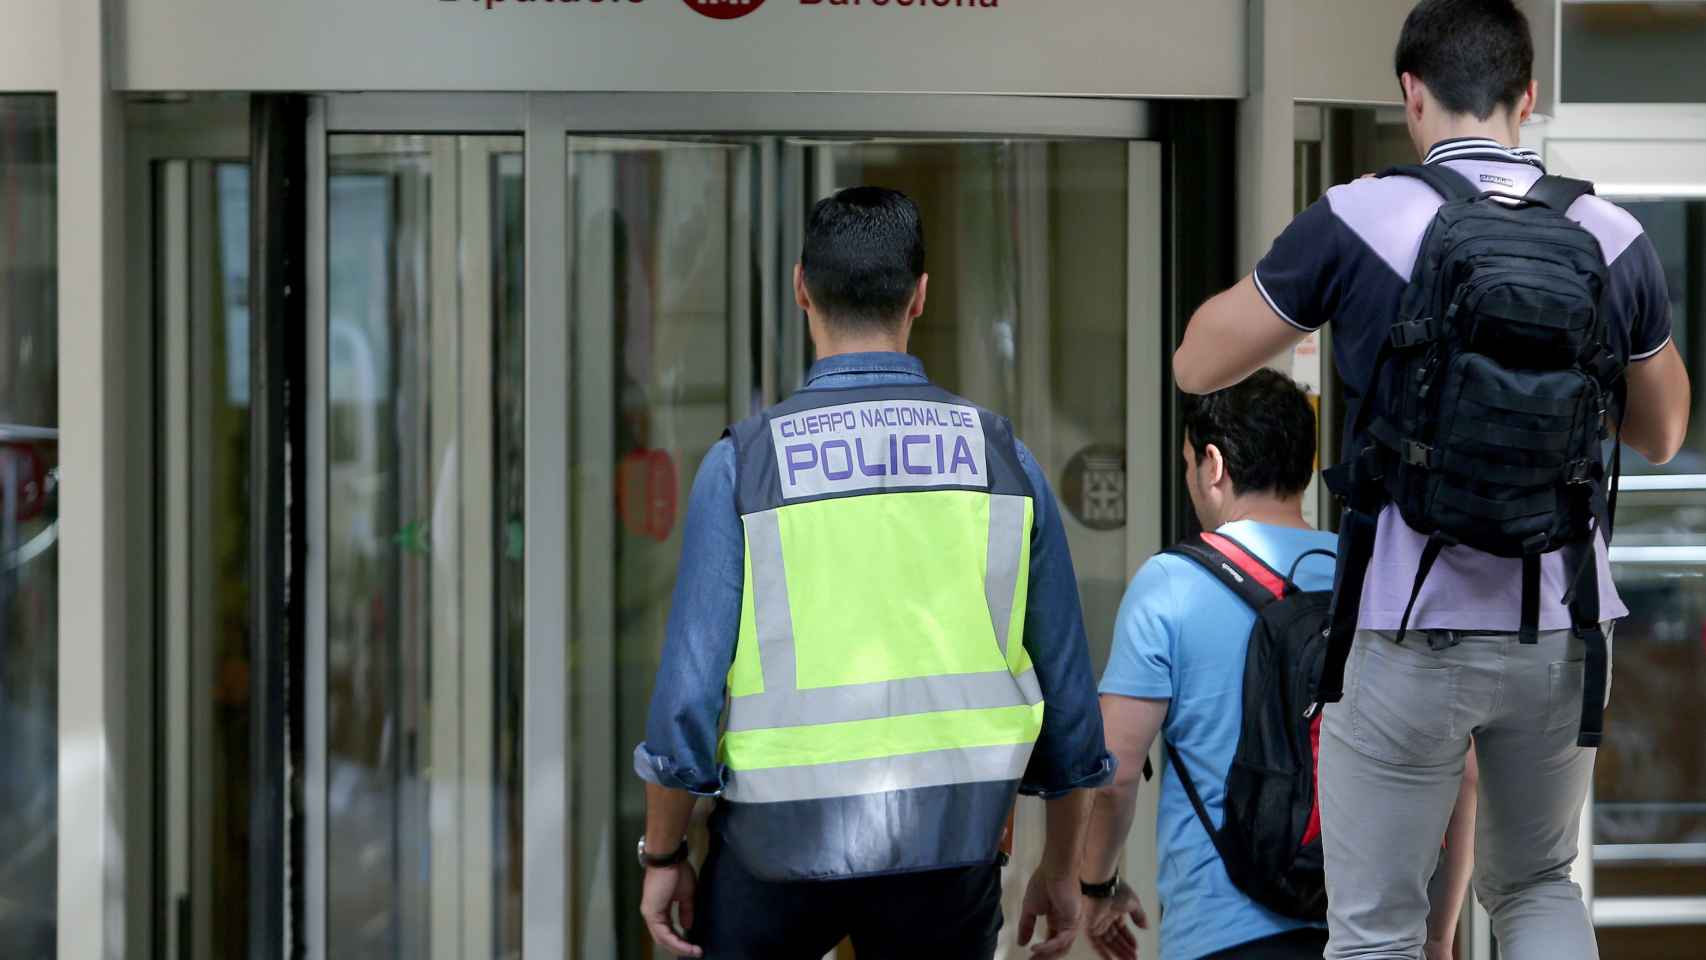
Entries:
{"x":1392,"y":755}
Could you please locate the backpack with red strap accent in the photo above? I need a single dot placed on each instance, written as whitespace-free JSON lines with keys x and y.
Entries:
{"x":1271,"y":838}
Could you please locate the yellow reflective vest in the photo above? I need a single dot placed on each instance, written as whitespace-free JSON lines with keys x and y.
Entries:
{"x":882,"y":706}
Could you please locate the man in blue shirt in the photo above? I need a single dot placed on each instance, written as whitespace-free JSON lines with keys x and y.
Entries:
{"x":1177,"y":666}
{"x":861,"y":283}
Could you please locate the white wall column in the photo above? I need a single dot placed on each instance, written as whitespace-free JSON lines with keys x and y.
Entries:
{"x":1266,"y":130}
{"x":104,"y":619}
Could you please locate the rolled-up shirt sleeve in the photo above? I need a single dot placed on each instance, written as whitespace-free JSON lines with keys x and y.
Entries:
{"x":680,"y":749}
{"x":1070,"y":753}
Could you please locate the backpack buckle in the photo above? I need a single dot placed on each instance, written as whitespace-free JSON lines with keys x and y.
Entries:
{"x":1406,"y":335}
{"x":1581,"y":471}
{"x":1418,"y":454}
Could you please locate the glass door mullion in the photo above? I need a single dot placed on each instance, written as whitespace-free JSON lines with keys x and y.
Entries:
{"x":201,"y":630}
{"x":479,"y":521}
{"x":593,"y":674}
{"x":740,"y":281}
{"x":314,"y":669}
{"x":548,"y":912}
{"x":171,"y":205}
{"x":445,"y":663}
{"x":774,"y":293}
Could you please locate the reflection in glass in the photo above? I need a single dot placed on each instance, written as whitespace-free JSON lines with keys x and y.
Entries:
{"x":1650,"y":784}
{"x":1027,"y":315}
{"x":656,"y":279}
{"x":1678,"y":231}
{"x":1650,"y":781}
{"x":422,"y":728}
{"x":509,"y":397}
{"x":1632,"y":52}
{"x":29,"y":527}
{"x":1026,"y":250}
{"x":201,"y":281}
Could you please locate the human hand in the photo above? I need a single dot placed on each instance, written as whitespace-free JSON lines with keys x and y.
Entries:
{"x":1438,"y":949}
{"x":664,"y":888}
{"x":1106,"y":928}
{"x":1058,"y":899}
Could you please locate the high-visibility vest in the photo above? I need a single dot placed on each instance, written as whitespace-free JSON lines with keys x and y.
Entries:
{"x":882,"y":706}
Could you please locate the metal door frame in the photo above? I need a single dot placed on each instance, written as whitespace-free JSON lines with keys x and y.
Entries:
{"x":159,"y":699}
{"x":1635,"y":152}
{"x":547,"y":121}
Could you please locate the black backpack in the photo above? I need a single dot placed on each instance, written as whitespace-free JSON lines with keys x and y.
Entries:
{"x":1484,"y":419}
{"x":1270,"y":841}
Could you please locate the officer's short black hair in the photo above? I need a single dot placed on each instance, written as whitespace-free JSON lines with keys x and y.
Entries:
{"x":1475,"y":55}
{"x":864,"y":253}
{"x":1265,"y":429}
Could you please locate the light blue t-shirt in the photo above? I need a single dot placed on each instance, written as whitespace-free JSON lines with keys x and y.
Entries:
{"x":1181,"y":636}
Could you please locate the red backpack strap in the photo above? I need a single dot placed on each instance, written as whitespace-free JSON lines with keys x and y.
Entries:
{"x":1243,"y":572}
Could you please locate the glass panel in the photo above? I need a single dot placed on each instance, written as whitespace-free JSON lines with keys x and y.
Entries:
{"x":1027,"y":312}
{"x":1027,"y":316}
{"x":509,"y":398}
{"x":1650,"y":782}
{"x":661,"y":282}
{"x":29,"y":527}
{"x":422,"y":727}
{"x":1651,"y":777}
{"x":1678,"y":231}
{"x":1633,"y":52}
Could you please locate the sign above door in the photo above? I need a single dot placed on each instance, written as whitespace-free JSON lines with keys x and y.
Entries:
{"x":1111,"y":48}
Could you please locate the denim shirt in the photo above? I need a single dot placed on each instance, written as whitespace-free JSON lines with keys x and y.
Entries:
{"x":680,"y":751}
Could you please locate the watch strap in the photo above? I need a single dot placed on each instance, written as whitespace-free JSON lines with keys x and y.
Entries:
{"x":653,"y":861}
{"x":1100,"y":891}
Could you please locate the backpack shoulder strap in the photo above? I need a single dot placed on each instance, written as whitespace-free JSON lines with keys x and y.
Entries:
{"x":1558,"y":194}
{"x":1448,"y":183}
{"x":1244,"y":573}
{"x":1177,"y":762}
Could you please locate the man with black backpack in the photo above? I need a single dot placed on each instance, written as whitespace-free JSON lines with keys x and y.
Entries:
{"x":1238,"y":832}
{"x":1496,"y":330}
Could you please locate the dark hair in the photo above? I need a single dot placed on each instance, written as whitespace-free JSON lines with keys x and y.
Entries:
{"x":1475,"y":55}
{"x":864,"y":253}
{"x":1265,"y":429}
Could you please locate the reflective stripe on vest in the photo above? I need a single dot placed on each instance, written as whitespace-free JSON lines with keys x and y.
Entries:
{"x":881,"y":774}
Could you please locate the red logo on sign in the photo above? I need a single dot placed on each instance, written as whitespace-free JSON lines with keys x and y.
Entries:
{"x":725,"y":9}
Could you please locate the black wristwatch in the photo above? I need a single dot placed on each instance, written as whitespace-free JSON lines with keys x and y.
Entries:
{"x":1100,"y":891}
{"x":651,"y":862}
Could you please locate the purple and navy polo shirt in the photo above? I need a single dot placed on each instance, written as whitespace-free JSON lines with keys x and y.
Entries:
{"x":1347,"y":260}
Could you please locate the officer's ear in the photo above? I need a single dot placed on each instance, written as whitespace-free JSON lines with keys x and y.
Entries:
{"x":915,"y":309}
{"x":802,"y":296}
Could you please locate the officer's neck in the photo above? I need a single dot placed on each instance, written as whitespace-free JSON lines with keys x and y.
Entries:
{"x":1262,"y":508}
{"x":828,"y":341}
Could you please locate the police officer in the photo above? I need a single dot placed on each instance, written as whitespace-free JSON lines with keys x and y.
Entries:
{"x":875,"y":580}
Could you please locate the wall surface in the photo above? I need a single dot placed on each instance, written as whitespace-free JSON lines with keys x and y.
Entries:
{"x":1091,"y":47}
{"x":1345,"y":47}
{"x":29,"y":45}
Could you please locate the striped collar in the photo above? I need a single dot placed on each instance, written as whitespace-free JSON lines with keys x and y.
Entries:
{"x":1481,"y":148}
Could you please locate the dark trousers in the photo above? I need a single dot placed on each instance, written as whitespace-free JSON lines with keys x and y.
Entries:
{"x":947,"y":914}
{"x":1296,"y":945}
